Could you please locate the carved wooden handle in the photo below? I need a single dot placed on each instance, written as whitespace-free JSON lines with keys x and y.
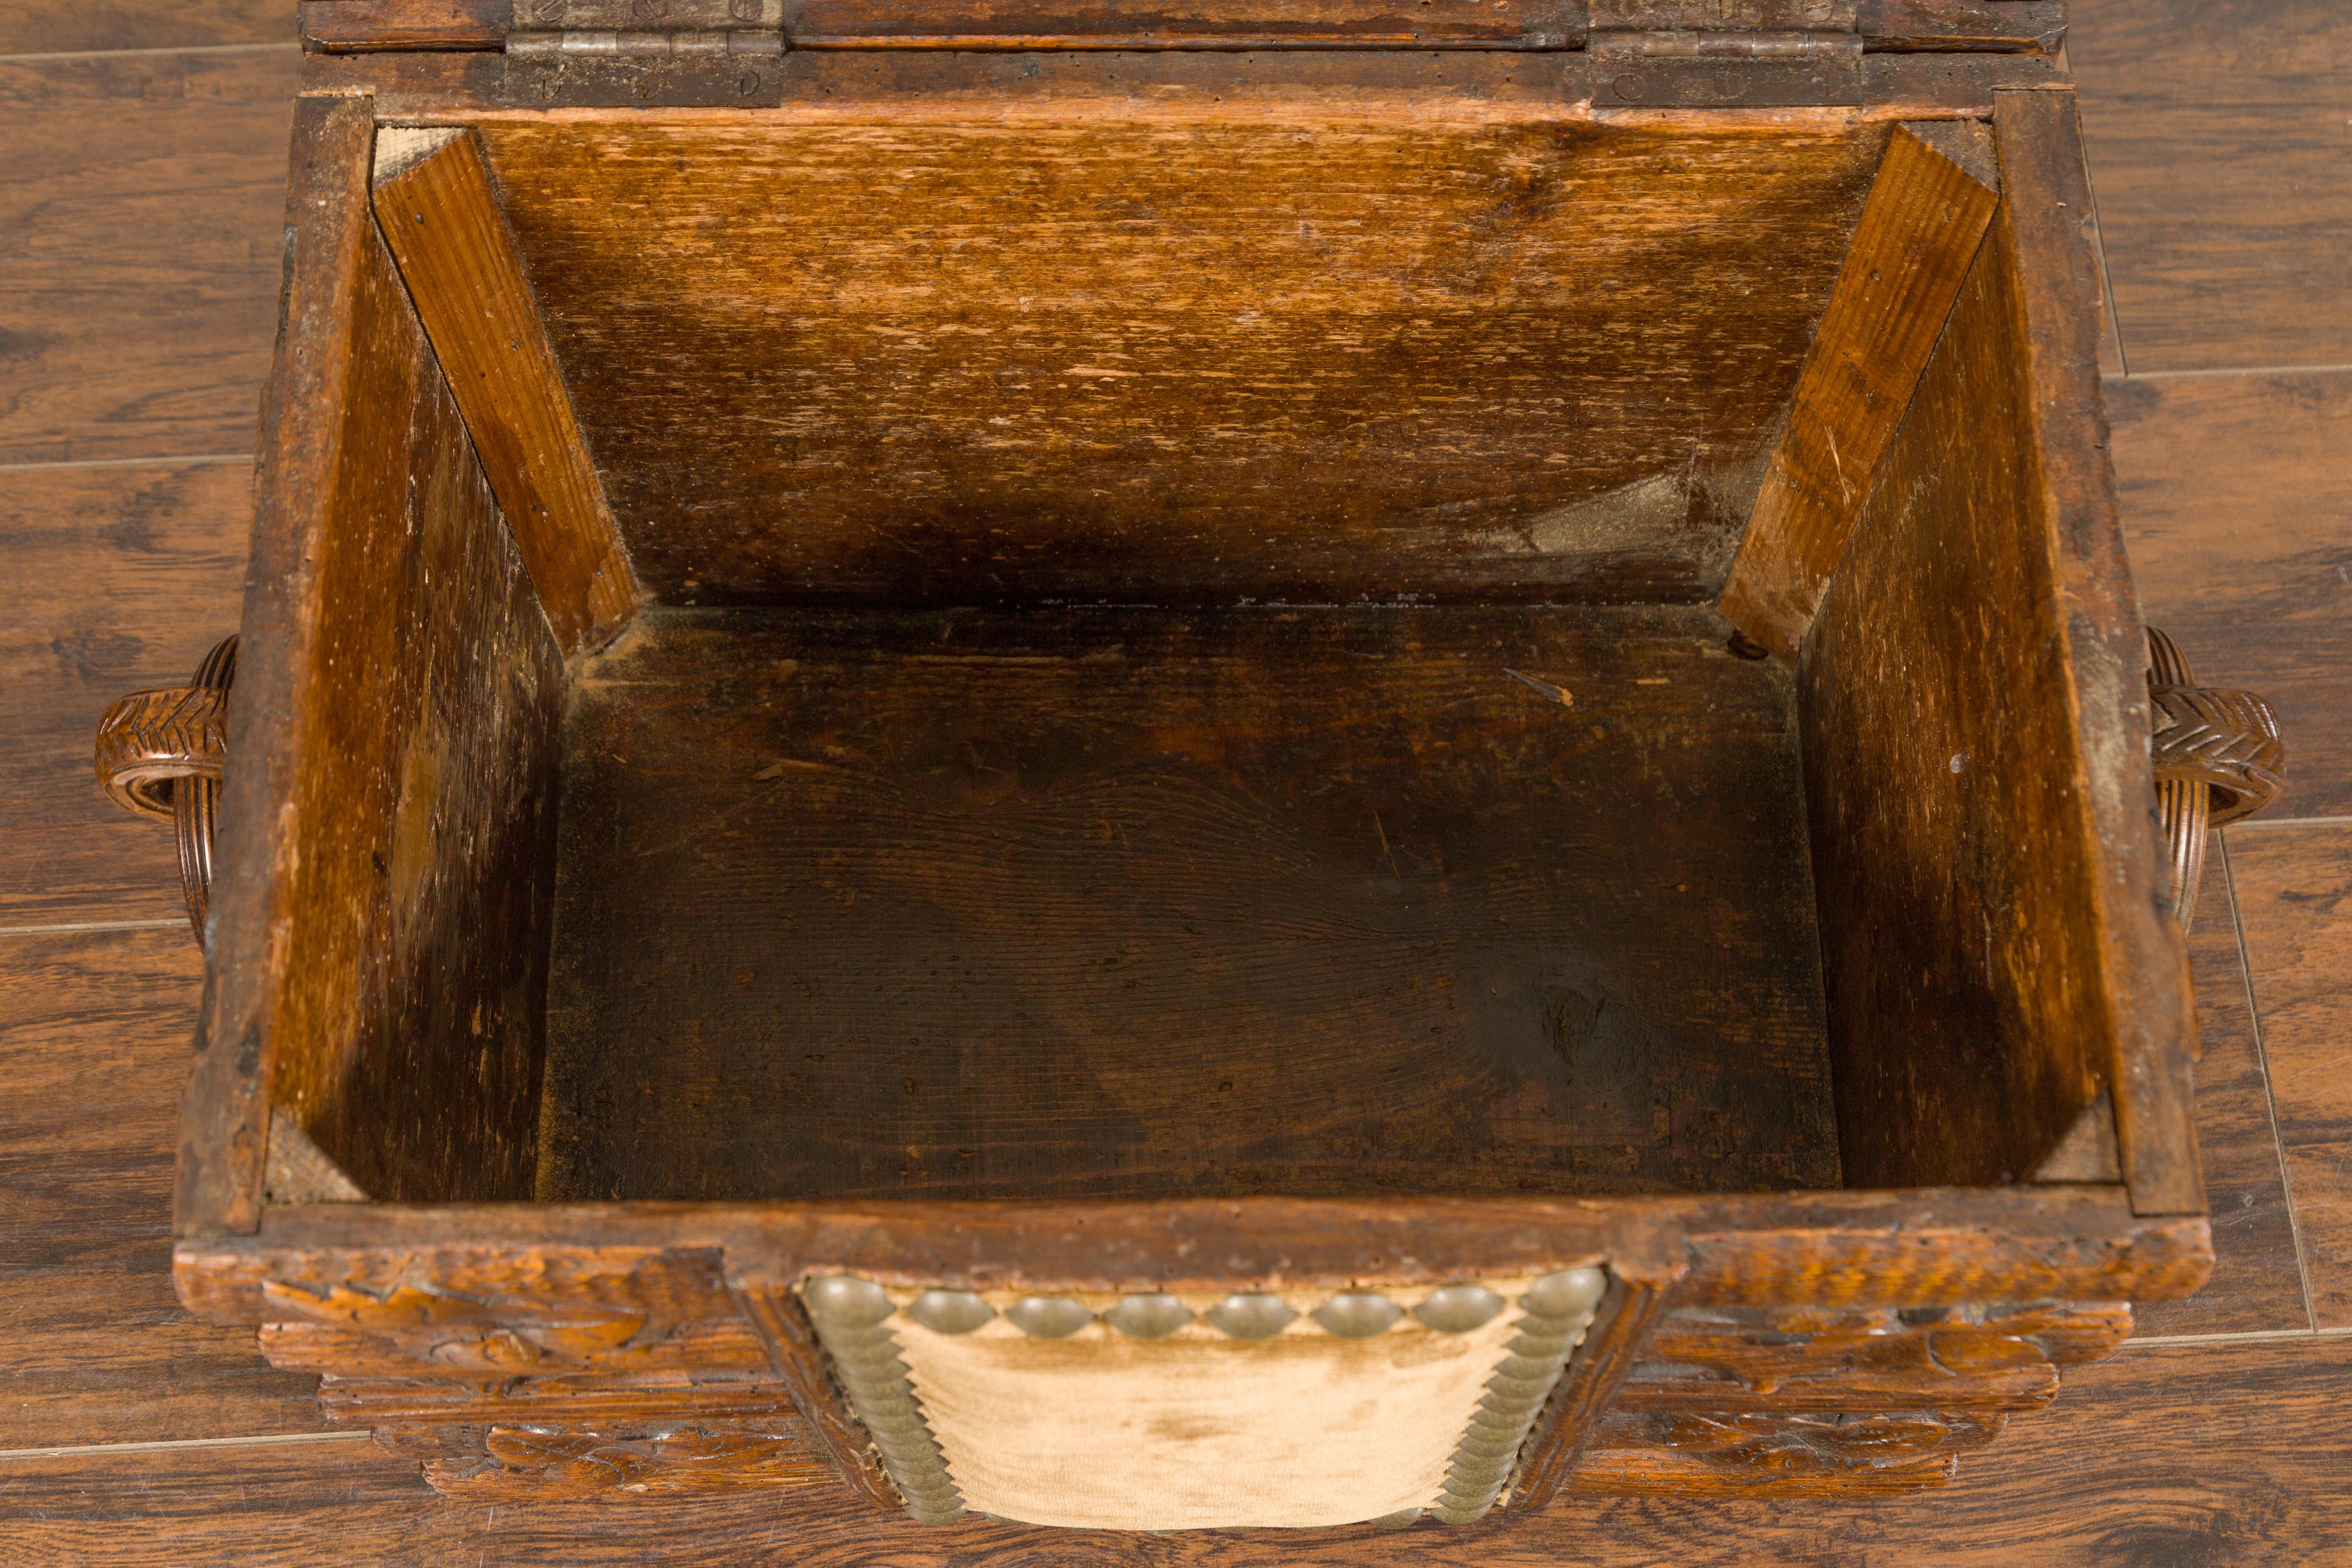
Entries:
{"x":2218,"y":761}
{"x":160,"y":754}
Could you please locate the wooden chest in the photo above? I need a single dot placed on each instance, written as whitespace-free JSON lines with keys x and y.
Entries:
{"x":1267,"y":765}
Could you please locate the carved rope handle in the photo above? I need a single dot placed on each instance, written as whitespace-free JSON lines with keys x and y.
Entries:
{"x":160,"y":754}
{"x":2218,"y":761}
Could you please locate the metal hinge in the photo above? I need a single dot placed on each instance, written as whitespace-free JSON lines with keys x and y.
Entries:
{"x":603,"y":53}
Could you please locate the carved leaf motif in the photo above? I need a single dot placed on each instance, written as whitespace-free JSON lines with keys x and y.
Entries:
{"x":455,"y":1332}
{"x":544,"y":1465}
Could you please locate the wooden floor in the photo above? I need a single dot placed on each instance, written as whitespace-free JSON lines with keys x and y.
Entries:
{"x":141,"y":166}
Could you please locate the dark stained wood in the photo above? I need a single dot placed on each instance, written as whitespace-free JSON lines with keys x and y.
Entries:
{"x":1147,"y":904}
{"x":1926,"y":215}
{"x":1901,"y":26}
{"x":2217,"y":140}
{"x":389,"y":810}
{"x":1945,"y":1248}
{"x":1985,"y":848}
{"x":654,"y":1463}
{"x":94,"y":1032}
{"x":341,"y":24}
{"x":834,"y":1428}
{"x":2295,"y":896}
{"x":1179,"y":352}
{"x":464,"y":87}
{"x":1763,"y":1456}
{"x":442,"y":220}
{"x":1809,"y":1360}
{"x":2123,"y":1469}
{"x":2257,"y":1283}
{"x":1570,"y":1419}
{"x":123,"y":577}
{"x":2234,"y":493}
{"x":57,"y":27}
{"x":115,"y":163}
{"x":594,"y":1399}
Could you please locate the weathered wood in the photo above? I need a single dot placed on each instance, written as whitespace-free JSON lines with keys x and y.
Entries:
{"x":1985,"y":853}
{"x":2292,"y":883}
{"x":1928,"y":208}
{"x":1426,"y":365}
{"x":1812,"y":1361}
{"x":2035,"y":27}
{"x":1148,"y":904}
{"x":442,"y":219}
{"x":2217,"y":136}
{"x":2247,"y":562}
{"x":114,"y":161}
{"x":799,"y":1363}
{"x":383,"y":898}
{"x":2127,"y":1466}
{"x":1830,"y":1249}
{"x":655,"y":1463}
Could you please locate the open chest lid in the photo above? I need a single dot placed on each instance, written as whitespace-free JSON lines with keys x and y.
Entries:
{"x":1638,"y":54}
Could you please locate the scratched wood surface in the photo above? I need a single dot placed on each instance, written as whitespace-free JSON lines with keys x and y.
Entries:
{"x":442,"y":220}
{"x":1995,"y":787}
{"x":2123,"y":1470}
{"x":1926,"y":215}
{"x":1184,"y":357}
{"x":1144,"y":904}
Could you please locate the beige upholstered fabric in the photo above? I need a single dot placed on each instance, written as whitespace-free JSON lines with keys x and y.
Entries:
{"x":1199,"y":1428}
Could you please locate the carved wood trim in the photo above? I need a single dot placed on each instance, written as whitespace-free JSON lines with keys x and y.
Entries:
{"x":1611,"y":1346}
{"x":1747,"y":1455}
{"x":791,"y":1345}
{"x":551,"y":1462}
{"x":1816,"y":1362}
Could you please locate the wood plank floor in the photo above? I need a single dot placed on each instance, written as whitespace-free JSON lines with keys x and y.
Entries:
{"x":141,"y":193}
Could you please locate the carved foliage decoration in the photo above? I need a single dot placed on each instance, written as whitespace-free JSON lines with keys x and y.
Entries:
{"x":555,"y":1463}
{"x":1799,"y":1359}
{"x":1775,"y":1455}
{"x":452,"y":1331}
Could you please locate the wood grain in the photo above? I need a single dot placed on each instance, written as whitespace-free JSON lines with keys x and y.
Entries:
{"x":141,"y":197}
{"x":94,"y":1032}
{"x":57,"y":27}
{"x":381,"y":905}
{"x":2218,"y":134}
{"x":123,"y":577}
{"x":1998,"y":981}
{"x":1751,"y":1456}
{"x":2122,"y":1470}
{"x":951,"y":356}
{"x":1928,"y":208}
{"x":1842,"y":1250}
{"x":2235,"y":494}
{"x":2295,"y":896}
{"x":1143,"y":904}
{"x":2257,"y":1282}
{"x":442,"y":219}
